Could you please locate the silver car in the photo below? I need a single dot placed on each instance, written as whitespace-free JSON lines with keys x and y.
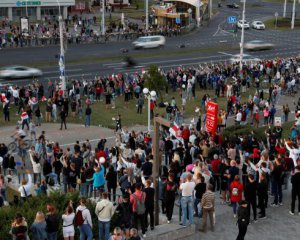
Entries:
{"x":246,"y":59}
{"x":19,"y":72}
{"x":257,"y":45}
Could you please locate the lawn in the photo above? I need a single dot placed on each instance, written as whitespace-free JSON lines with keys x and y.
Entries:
{"x":102,"y":116}
{"x":270,"y":24}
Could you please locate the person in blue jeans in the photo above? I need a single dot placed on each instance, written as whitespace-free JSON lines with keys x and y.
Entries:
{"x":104,"y":211}
{"x":85,"y":229}
{"x":187,"y":189}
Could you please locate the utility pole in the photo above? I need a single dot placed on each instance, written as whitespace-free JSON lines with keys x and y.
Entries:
{"x":103,"y":17}
{"x":26,"y":9}
{"x":210,"y":9}
{"x":293,"y":16}
{"x":61,"y":62}
{"x":284,"y":8}
{"x":147,"y":16}
{"x":242,"y":36}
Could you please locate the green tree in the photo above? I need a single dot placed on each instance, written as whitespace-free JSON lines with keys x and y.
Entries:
{"x":155,"y":81}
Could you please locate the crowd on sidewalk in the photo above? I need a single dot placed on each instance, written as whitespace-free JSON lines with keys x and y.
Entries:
{"x":197,"y":165}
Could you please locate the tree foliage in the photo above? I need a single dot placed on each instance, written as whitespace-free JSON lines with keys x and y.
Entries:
{"x":155,"y":81}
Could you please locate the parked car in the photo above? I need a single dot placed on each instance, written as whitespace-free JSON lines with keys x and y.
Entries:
{"x":19,"y":72}
{"x":257,"y":45}
{"x":246,"y":59}
{"x":149,"y":42}
{"x":245,"y":23}
{"x":259,"y":25}
{"x":233,"y":5}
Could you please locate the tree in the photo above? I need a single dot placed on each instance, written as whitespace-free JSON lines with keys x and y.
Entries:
{"x":155,"y":81}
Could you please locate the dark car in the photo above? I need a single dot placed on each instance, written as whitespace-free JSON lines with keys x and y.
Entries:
{"x":233,"y":5}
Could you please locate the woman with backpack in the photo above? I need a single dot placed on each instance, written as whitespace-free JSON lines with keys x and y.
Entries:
{"x":68,"y":219}
{"x":236,"y":192}
{"x":137,"y":200}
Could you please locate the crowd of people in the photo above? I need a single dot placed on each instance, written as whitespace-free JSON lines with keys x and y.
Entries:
{"x":246,"y":172}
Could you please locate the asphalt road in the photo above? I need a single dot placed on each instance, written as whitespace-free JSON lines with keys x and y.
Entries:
{"x":212,"y":43}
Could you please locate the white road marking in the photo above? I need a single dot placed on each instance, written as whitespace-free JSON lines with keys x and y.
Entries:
{"x":68,"y":70}
{"x":227,"y":54}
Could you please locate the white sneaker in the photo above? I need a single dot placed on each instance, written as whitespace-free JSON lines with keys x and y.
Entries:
{"x":234,"y":215}
{"x":291,"y":213}
{"x":168,"y":222}
{"x":144,"y":235}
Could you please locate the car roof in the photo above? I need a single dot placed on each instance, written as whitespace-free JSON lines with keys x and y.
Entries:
{"x":256,"y":41}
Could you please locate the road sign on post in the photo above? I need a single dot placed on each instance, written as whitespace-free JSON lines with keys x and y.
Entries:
{"x":231,"y":19}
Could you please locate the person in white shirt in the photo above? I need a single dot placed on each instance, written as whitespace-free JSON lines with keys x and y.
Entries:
{"x":294,"y":153}
{"x":86,"y":228}
{"x":25,"y":187}
{"x":68,"y":219}
{"x":187,"y":189}
{"x":238,"y":117}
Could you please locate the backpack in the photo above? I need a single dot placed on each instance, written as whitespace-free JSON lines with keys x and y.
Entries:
{"x":140,"y":204}
{"x":79,"y":220}
{"x":235,"y":191}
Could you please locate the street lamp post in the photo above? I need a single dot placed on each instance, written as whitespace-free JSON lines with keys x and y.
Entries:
{"x":242,"y":37}
{"x":210,"y":9}
{"x":293,"y":15}
{"x":147,"y":16}
{"x":61,"y":61}
{"x":149,"y":95}
{"x":284,"y":8}
{"x":26,"y":8}
{"x":103,"y":18}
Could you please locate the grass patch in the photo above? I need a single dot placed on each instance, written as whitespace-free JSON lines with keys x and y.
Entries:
{"x":102,"y":116}
{"x":271,"y":24}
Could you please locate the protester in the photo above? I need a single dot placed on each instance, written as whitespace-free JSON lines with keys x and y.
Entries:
{"x":38,"y":228}
{"x":86,"y":226}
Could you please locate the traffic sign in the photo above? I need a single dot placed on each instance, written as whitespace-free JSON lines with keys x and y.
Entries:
{"x":177,"y":20}
{"x":231,"y":19}
{"x":276,"y":14}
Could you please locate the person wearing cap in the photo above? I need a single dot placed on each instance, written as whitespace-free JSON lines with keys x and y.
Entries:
{"x":243,"y":220}
{"x":295,"y":180}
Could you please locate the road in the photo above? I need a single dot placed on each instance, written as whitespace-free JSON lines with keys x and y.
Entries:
{"x":212,"y":43}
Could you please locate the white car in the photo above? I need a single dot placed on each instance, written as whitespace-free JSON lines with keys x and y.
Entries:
{"x":149,"y":42}
{"x":246,"y":59}
{"x":259,"y":25}
{"x":241,"y":23}
{"x":257,"y":45}
{"x":19,"y":72}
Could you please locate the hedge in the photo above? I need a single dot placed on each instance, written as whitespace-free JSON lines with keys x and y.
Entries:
{"x":39,"y":203}
{"x":239,"y":130}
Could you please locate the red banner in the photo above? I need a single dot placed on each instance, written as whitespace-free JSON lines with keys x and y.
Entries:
{"x":211,"y":117}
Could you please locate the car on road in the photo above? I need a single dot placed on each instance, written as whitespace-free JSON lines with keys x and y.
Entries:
{"x":149,"y":42}
{"x":257,"y":45}
{"x":246,"y":59}
{"x":14,"y":72}
{"x":233,"y":5}
{"x":242,"y":23}
{"x":259,"y":25}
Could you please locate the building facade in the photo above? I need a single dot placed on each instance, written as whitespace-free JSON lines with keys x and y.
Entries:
{"x":33,"y":9}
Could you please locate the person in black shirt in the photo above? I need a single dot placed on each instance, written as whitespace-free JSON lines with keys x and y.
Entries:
{"x":262,"y":193}
{"x":57,"y":165}
{"x":149,"y":204}
{"x":169,"y":193}
{"x":200,"y":189}
{"x":295,"y":180}
{"x":243,"y":220}
{"x":168,"y":151}
{"x":147,"y":168}
{"x":250,"y":194}
{"x":111,"y":178}
{"x":277,"y":177}
{"x":63,"y":116}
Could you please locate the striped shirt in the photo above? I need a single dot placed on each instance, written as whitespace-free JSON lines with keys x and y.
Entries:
{"x":208,"y":200}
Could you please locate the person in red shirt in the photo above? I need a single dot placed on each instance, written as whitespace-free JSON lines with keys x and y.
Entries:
{"x":280,"y":149}
{"x":138,"y":195}
{"x":185,"y":134}
{"x":236,"y":193}
{"x":152,"y":105}
{"x":215,"y":171}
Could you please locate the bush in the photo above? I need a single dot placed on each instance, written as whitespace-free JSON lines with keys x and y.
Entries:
{"x":238,"y":130}
{"x":35,"y":204}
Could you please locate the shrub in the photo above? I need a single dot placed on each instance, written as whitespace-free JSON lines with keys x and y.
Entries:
{"x":39,"y":203}
{"x":238,"y":130}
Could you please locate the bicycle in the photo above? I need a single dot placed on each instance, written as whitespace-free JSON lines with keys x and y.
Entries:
{"x":13,"y":146}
